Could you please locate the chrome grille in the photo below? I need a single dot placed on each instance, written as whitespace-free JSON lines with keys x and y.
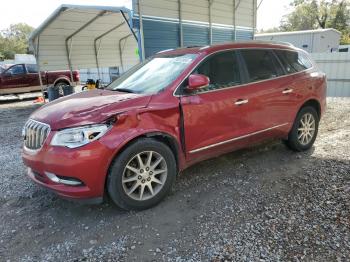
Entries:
{"x":35,"y":134}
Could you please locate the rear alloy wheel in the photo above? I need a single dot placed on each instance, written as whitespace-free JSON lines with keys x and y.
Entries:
{"x":141,"y":175}
{"x":304,"y":130}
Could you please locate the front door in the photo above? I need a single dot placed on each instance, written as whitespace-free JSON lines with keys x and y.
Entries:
{"x":14,"y":77}
{"x":217,"y":118}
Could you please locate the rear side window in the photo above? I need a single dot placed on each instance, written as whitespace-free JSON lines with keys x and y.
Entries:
{"x":293,"y":61}
{"x":222,"y":70}
{"x":261,"y":64}
{"x":32,"y":69}
{"x":304,"y":60}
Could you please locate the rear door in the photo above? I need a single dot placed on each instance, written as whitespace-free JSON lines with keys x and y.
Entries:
{"x":32,"y":75}
{"x":223,"y":115}
{"x":297,"y":83}
{"x":267,"y":83}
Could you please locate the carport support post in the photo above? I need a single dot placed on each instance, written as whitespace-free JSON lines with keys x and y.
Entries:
{"x":254,"y":16}
{"x":210,"y":23}
{"x":234,"y":20}
{"x":121,"y":51}
{"x":36,"y":50}
{"x":96,"y":59}
{"x":141,"y":32}
{"x":236,"y":7}
{"x":69,"y":61}
{"x":97,"y":49}
{"x":180,"y":24}
{"x":71,"y":38}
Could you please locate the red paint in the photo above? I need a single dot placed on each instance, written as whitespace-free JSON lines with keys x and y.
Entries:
{"x":208,"y":119}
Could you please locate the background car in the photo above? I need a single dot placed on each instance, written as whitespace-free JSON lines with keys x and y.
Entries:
{"x":22,"y":78}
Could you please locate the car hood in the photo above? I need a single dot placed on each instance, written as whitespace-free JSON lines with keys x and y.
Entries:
{"x":89,"y":107}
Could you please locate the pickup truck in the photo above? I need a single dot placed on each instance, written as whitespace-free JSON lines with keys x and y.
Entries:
{"x":23,"y":78}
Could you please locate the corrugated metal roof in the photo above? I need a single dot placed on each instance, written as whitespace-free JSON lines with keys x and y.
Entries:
{"x":76,"y":31}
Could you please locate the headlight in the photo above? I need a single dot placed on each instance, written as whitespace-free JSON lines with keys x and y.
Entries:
{"x":78,"y":136}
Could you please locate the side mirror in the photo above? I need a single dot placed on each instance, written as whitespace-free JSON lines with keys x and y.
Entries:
{"x":197,"y":81}
{"x":7,"y":73}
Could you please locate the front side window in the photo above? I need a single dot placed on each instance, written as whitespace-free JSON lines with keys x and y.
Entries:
{"x":261,"y":64}
{"x":154,"y":75}
{"x":221,"y":69}
{"x":293,"y":61}
{"x":16,"y":70}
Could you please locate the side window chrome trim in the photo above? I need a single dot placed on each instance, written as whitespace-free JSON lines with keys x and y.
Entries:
{"x":245,"y":84}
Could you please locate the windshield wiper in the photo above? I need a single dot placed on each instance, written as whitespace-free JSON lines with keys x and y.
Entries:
{"x":125,"y":90}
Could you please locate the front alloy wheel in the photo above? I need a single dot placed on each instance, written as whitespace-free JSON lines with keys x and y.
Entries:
{"x":144,"y":175}
{"x":141,"y":175}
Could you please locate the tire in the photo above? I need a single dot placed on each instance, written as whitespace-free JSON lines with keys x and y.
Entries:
{"x":298,"y":140}
{"x":60,"y":86}
{"x":140,"y":176}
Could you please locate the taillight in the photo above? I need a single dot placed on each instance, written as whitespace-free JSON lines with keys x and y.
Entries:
{"x":77,"y":76}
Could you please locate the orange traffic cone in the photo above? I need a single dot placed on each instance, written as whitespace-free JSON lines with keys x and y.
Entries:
{"x":40,"y":99}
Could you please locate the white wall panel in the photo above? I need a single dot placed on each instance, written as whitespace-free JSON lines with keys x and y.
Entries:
{"x":222,"y":13}
{"x":195,"y":10}
{"x":198,"y":10}
{"x":162,"y":8}
{"x":336,"y":66}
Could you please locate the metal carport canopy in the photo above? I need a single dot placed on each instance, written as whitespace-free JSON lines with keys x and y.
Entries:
{"x":77,"y":37}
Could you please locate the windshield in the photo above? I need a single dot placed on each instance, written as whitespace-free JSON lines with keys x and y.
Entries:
{"x":153,"y":75}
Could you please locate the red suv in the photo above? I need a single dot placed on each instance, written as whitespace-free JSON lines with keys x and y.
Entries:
{"x":130,"y":140}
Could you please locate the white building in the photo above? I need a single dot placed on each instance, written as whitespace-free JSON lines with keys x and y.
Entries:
{"x":312,"y":41}
{"x":344,"y":48}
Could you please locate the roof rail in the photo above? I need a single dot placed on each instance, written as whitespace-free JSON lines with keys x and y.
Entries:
{"x":171,"y":49}
{"x":273,"y":42}
{"x":165,"y":50}
{"x":193,"y":46}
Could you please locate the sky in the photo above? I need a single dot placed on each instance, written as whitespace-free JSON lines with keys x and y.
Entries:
{"x":34,"y":12}
{"x":271,"y":12}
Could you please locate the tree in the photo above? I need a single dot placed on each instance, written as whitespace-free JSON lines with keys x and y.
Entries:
{"x":312,"y":14}
{"x":340,"y":20}
{"x":270,"y":30}
{"x":14,"y":40}
{"x":303,"y":17}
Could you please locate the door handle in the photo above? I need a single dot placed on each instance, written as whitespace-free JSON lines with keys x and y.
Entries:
{"x":241,"y":102}
{"x":287,"y":91}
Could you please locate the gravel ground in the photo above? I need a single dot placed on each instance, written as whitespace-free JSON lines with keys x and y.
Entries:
{"x":264,"y":203}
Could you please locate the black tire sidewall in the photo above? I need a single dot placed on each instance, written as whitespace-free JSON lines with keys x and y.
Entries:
{"x":293,"y":140}
{"x":60,"y":86}
{"x":114,"y":180}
